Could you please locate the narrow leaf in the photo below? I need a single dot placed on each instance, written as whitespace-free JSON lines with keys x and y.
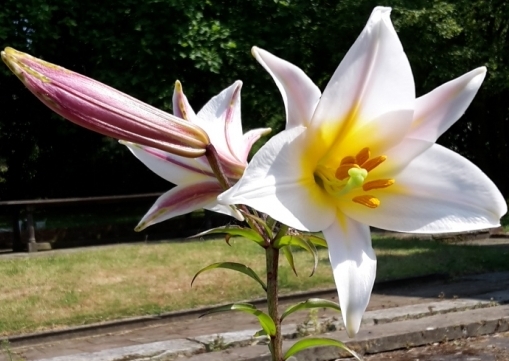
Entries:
{"x":235,"y":231}
{"x":315,"y":342}
{"x":266,"y":322}
{"x":300,"y":242}
{"x":311,"y":303}
{"x":317,"y":241}
{"x":287,"y":250}
{"x":239,"y":267}
{"x":260,"y":333}
{"x":261,"y":222}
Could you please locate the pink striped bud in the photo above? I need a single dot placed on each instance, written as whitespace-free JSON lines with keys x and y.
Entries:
{"x":104,"y":110}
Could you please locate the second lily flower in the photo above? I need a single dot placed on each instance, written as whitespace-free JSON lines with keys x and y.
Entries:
{"x":196,"y":185}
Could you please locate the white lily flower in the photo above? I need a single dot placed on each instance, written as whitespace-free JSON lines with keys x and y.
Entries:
{"x":363,"y":154}
{"x":196,"y":185}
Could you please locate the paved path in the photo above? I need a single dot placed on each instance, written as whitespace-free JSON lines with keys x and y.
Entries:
{"x":398,"y":316}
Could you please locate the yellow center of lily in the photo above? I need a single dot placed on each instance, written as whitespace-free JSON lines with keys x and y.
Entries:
{"x":351,"y":174}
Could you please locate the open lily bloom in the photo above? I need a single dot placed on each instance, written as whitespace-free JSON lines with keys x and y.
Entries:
{"x":363,"y":154}
{"x":196,"y":185}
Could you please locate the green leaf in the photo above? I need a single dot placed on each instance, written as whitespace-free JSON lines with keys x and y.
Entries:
{"x":239,"y":267}
{"x":311,"y":303}
{"x":287,"y":250}
{"x":317,"y":241}
{"x":261,"y":222}
{"x":260,"y":333}
{"x":315,"y":342}
{"x":235,"y":231}
{"x":266,"y":322}
{"x":300,"y":242}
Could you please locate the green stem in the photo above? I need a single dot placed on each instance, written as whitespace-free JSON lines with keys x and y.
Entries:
{"x":272,"y":260}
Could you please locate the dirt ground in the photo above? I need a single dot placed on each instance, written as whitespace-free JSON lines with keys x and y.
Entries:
{"x":486,"y":348}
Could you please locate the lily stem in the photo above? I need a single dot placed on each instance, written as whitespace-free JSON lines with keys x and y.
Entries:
{"x":276,"y":341}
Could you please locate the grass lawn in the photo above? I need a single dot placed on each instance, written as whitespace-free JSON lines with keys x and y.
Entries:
{"x":60,"y":289}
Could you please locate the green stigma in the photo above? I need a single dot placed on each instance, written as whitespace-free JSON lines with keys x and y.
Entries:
{"x":357,"y":177}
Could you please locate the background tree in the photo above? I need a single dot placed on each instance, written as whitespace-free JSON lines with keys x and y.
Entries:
{"x":142,"y":47}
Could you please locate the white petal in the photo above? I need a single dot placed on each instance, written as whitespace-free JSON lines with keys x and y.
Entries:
{"x":181,"y":200}
{"x":274,"y":183}
{"x":438,"y":192}
{"x":373,"y":79}
{"x":353,"y":263}
{"x":399,"y":156}
{"x":175,"y":169}
{"x":181,"y":107}
{"x":436,"y":111}
{"x":299,"y":93}
{"x":221,"y":208}
{"x":220,"y":118}
{"x":380,"y":135}
{"x":248,"y":139}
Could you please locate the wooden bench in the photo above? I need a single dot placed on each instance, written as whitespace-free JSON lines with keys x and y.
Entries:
{"x":14,"y":209}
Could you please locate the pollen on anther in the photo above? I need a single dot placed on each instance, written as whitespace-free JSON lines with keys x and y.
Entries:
{"x":367,"y":200}
{"x":377,"y":184}
{"x":348,"y":160}
{"x":374,"y":162}
{"x":362,"y":156}
{"x":342,"y":171}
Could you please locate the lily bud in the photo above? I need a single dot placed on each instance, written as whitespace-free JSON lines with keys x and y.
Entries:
{"x":104,"y":110}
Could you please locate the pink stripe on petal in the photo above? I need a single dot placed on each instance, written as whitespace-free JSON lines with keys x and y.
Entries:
{"x":233,"y":124}
{"x":180,"y":200}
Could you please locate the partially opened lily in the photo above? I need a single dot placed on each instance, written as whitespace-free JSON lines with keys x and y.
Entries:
{"x":105,"y":110}
{"x":363,"y":154}
{"x":196,"y":185}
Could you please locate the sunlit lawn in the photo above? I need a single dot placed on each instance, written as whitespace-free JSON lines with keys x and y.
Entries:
{"x":60,"y":289}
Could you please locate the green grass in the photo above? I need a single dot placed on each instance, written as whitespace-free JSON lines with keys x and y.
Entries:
{"x":55,"y":290}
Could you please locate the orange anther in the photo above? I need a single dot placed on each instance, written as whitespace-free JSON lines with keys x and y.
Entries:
{"x":377,"y":184}
{"x":342,"y":171}
{"x":367,"y":200}
{"x":362,"y":156}
{"x":348,"y":160}
{"x":373,"y":163}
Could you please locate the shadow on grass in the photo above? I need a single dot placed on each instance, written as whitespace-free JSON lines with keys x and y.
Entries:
{"x":428,"y":268}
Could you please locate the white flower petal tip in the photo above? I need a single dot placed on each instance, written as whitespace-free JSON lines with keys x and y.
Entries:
{"x":300,"y":94}
{"x":436,"y":111}
{"x":353,"y":261}
{"x":196,"y":184}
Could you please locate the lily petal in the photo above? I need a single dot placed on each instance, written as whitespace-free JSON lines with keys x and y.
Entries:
{"x":181,"y":200}
{"x":353,"y":263}
{"x":299,"y":93}
{"x":174,"y":169}
{"x":181,"y":106}
{"x":220,"y":118}
{"x":436,"y":111}
{"x":273,"y":183}
{"x":373,"y":79}
{"x":438,"y":192}
{"x":249,"y":138}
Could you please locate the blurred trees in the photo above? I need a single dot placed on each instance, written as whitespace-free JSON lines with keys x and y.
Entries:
{"x":142,"y":47}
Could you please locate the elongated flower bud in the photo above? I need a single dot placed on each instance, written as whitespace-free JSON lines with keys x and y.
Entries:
{"x":104,"y":110}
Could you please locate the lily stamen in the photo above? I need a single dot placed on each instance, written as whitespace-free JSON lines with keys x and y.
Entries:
{"x":377,"y":184}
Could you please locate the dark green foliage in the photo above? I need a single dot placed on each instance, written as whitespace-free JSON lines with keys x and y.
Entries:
{"x":142,"y":47}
